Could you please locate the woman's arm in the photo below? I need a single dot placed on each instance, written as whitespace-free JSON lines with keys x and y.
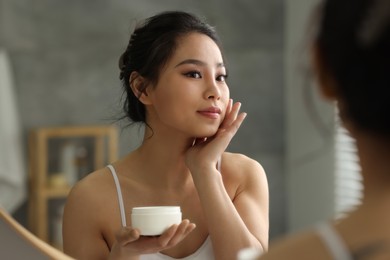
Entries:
{"x":240,"y":223}
{"x":82,"y":235}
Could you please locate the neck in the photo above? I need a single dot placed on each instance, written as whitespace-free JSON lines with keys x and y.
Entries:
{"x":162,"y":158}
{"x":168,"y":146}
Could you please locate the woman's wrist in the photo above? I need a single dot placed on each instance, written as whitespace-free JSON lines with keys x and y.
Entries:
{"x":206,"y":174}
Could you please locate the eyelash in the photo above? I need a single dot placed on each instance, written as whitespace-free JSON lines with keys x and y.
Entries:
{"x":192,"y":73}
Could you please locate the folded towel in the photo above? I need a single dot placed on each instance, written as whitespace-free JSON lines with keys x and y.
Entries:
{"x":12,"y":163}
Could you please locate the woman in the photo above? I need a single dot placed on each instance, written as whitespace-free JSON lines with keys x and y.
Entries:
{"x":351,"y":57}
{"x":174,"y":76}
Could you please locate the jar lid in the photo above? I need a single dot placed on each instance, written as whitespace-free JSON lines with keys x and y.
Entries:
{"x":156,"y":210}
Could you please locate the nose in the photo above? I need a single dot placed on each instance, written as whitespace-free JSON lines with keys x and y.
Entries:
{"x":213,"y":91}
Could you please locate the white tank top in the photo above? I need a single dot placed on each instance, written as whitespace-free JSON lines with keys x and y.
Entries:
{"x":205,"y":251}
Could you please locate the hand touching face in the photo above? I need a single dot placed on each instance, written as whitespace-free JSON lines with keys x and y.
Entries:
{"x":206,"y":152}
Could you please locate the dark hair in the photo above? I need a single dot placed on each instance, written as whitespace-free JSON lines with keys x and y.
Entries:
{"x":354,"y":39}
{"x":151,"y":45}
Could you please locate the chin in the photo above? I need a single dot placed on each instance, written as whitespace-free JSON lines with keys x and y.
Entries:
{"x":207,"y":134}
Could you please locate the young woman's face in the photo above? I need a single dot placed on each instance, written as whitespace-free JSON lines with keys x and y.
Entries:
{"x":191,"y":95}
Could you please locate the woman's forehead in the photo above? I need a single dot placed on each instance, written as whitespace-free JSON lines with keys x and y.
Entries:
{"x":197,"y":46}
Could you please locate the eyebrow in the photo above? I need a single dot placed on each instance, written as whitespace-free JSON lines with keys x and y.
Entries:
{"x":197,"y":62}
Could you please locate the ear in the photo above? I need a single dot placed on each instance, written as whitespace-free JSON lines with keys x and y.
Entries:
{"x":327,"y":84}
{"x":139,"y":85}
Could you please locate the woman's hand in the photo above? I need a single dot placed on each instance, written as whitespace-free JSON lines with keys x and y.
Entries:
{"x":130,"y":244}
{"x":206,"y":152}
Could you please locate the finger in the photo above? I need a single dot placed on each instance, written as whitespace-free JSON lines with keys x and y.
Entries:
{"x":235,"y":110}
{"x":178,"y":236}
{"x":189,"y":228}
{"x":231,"y":116}
{"x":180,"y":233}
{"x":227,"y":134}
{"x":235,"y":125}
{"x":127,"y":235}
{"x":229,"y":106}
{"x":164,"y":239}
{"x":227,"y":112}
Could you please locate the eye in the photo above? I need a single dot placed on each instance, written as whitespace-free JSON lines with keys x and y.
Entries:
{"x":193,"y":74}
{"x":222,"y":78}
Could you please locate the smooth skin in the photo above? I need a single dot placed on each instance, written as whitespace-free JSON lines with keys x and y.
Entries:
{"x":176,"y":165}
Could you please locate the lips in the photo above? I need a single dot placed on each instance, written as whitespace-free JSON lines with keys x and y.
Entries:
{"x":211,"y":112}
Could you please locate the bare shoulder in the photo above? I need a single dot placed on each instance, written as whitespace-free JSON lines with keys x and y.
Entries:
{"x":89,"y":216}
{"x":303,"y":245}
{"x":242,"y":167}
{"x":246,"y":182}
{"x":91,"y":189}
{"x":245,"y":176}
{"x":91,"y":201}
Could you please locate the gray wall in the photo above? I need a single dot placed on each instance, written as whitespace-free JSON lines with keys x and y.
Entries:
{"x":311,"y":158}
{"x":64,"y":56}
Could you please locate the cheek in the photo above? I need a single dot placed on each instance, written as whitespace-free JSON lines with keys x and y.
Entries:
{"x":225,"y":95}
{"x":163,"y":105}
{"x":225,"y":98}
{"x":168,"y":105}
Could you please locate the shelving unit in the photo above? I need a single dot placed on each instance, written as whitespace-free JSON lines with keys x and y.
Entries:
{"x":101,"y":143}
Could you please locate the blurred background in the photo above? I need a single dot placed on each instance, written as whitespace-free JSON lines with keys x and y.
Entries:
{"x":62,"y":60}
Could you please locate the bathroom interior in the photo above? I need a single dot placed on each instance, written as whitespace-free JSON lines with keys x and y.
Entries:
{"x":58,"y":68}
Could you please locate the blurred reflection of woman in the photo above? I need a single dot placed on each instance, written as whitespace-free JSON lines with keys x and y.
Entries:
{"x":352,"y":61}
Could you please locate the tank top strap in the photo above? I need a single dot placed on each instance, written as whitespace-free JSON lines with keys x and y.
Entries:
{"x":333,"y":242}
{"x":119,"y":192}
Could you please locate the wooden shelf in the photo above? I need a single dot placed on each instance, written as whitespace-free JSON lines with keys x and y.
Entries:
{"x":103,"y":148}
{"x":52,"y":193}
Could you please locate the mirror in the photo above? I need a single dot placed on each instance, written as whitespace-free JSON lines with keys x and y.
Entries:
{"x":64,"y":59}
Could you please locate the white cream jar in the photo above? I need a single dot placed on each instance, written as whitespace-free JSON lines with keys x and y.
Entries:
{"x":153,"y":221}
